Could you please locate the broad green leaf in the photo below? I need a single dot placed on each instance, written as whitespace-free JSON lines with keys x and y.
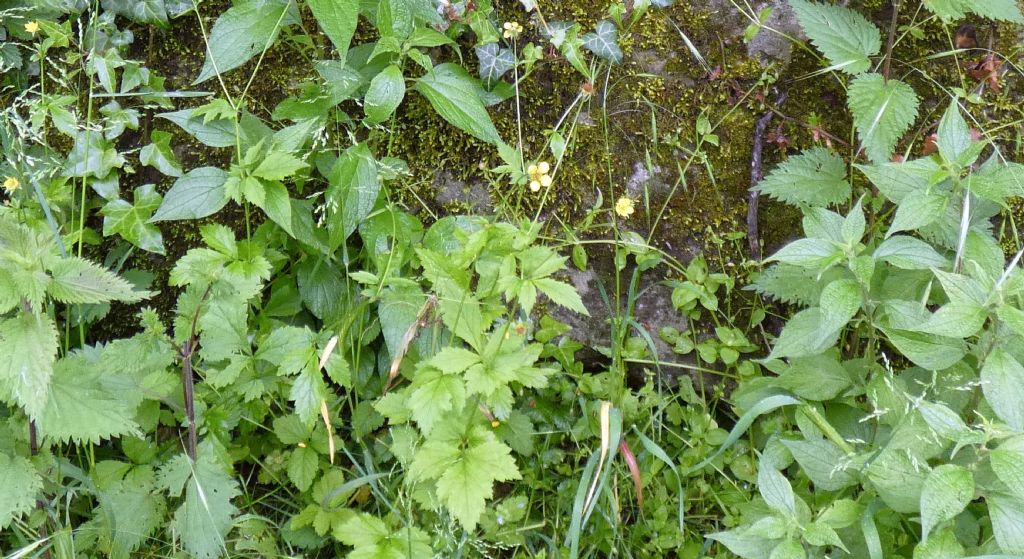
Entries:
{"x":823,"y":462}
{"x":840,"y":301}
{"x":321,"y":288}
{"x":803,"y":335}
{"x":338,"y":19}
{"x":133,"y":221}
{"x":277,"y":165}
{"x":452,"y":360}
{"x":19,"y":487}
{"x":223,"y":330}
{"x":807,"y":253}
{"x":918,"y":210}
{"x":896,"y":180}
{"x":954,"y":136}
{"x":387,"y":89}
{"x":941,"y":545}
{"x":1002,"y":379}
{"x":898,"y":479}
{"x":77,"y":280}
{"x":160,"y":156}
{"x":956,"y":320}
{"x":303,"y":464}
{"x":816,"y":177}
{"x":818,"y":377}
{"x":749,"y":542}
{"x":604,"y":42}
{"x":91,"y":156}
{"x":84,"y":404}
{"x":353,"y":191}
{"x":28,"y":348}
{"x":1008,"y":464}
{"x":216,"y":134}
{"x":1007,"y":513}
{"x":927,"y":351}
{"x":494,"y":61}
{"x":947,"y":491}
{"x":205,"y":517}
{"x":240,"y":33}
{"x":882,"y":112}
{"x":433,"y":395}
{"x":452,"y":93}
{"x":944,"y":421}
{"x":129,"y":511}
{"x":909,"y":253}
{"x":949,"y":10}
{"x":842,"y":34}
{"x":562,"y":294}
{"x":308,"y":390}
{"x":372,"y":539}
{"x":277,"y":205}
{"x":776,"y":490}
{"x":196,"y":195}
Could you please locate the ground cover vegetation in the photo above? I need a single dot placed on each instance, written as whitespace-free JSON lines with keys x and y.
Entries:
{"x":237,"y":319}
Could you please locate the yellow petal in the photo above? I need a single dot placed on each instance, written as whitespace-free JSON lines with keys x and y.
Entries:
{"x":544,"y":167}
{"x":531,"y":170}
{"x":32,"y":27}
{"x":545,"y":181}
{"x":534,"y":186}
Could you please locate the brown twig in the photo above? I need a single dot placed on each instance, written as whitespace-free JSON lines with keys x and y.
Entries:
{"x":756,"y":174}
{"x":890,"y":42}
{"x":188,"y":382}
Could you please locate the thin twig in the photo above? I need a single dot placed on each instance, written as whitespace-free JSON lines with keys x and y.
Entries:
{"x":756,"y":174}
{"x":188,"y":382}
{"x":891,"y":41}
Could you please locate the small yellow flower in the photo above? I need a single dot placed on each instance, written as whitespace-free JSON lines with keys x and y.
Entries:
{"x":495,"y":424}
{"x":11,"y":184}
{"x":539,"y":176}
{"x":624,"y":206}
{"x":512,"y":29}
{"x":32,"y":27}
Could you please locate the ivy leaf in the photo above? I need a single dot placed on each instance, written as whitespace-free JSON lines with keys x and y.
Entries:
{"x":205,"y":517}
{"x":882,"y":112}
{"x":465,"y":469}
{"x":28,"y":348}
{"x":85,"y":404}
{"x":19,"y":485}
{"x":132,"y":221}
{"x":196,"y":195}
{"x":160,"y":156}
{"x":387,"y":89}
{"x":240,"y":33}
{"x":843,"y":35}
{"x":949,"y":10}
{"x":77,"y":280}
{"x":494,"y":61}
{"x":338,"y":20}
{"x":946,"y":492}
{"x":453,"y":94}
{"x":1002,"y":380}
{"x":816,"y":177}
{"x":604,"y":42}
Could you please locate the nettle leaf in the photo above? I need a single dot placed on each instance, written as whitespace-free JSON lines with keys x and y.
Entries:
{"x":1002,"y":380}
{"x":160,"y":156}
{"x":278,"y":165}
{"x":816,"y":177}
{"x":85,"y":404}
{"x":465,"y":467}
{"x":19,"y":485}
{"x":804,"y":335}
{"x":823,"y":462}
{"x":494,"y":61}
{"x":947,"y":491}
{"x":818,"y":377}
{"x":882,"y":112}
{"x":196,"y":195}
{"x":1007,"y":514}
{"x":843,"y":35}
{"x":240,"y":33}
{"x":604,"y":42}
{"x":453,"y":94}
{"x":132,"y":221}
{"x":205,"y":518}
{"x":909,"y":253}
{"x":28,"y":349}
{"x":338,"y":20}
{"x":954,"y":136}
{"x":129,"y":511}
{"x":308,"y":390}
{"x":387,"y":89}
{"x":949,"y":10}
{"x":77,"y":280}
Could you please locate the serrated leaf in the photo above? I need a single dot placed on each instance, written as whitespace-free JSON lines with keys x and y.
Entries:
{"x":240,"y":33}
{"x":494,"y":61}
{"x":387,"y":89}
{"x":816,"y":177}
{"x":277,"y":165}
{"x":1002,"y":379}
{"x":453,"y":94}
{"x":807,"y":253}
{"x":197,"y":194}
{"x":898,"y":479}
{"x":803,"y":335}
{"x":132,"y":220}
{"x":947,"y":491}
{"x":882,"y":112}
{"x":303,"y":464}
{"x":1007,"y":515}
{"x":604,"y":42}
{"x":818,"y":377}
{"x":949,"y":10}
{"x":77,"y":280}
{"x":909,"y":253}
{"x":562,"y":294}
{"x":19,"y":486}
{"x":205,"y":517}
{"x":83,"y":405}
{"x":843,"y":35}
{"x":28,"y":349}
{"x":917,"y":210}
{"x":927,"y":351}
{"x":954,"y":136}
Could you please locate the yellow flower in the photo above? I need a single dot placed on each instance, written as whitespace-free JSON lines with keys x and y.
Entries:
{"x":32,"y":27}
{"x":512,"y":29}
{"x":495,"y":424}
{"x":11,"y":184}
{"x":539,"y":176}
{"x":624,"y":206}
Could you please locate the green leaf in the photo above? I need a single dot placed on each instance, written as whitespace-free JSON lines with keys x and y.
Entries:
{"x":338,"y":19}
{"x":434,"y":394}
{"x":240,"y":33}
{"x":277,"y":165}
{"x":19,"y":486}
{"x":387,"y":89}
{"x":1007,"y":515}
{"x":918,"y":210}
{"x":807,"y":253}
{"x":803,"y":335}
{"x":160,"y":156}
{"x":816,"y":177}
{"x":494,"y":61}
{"x":217,"y":134}
{"x":909,"y":253}
{"x":949,"y":10}
{"x":303,"y":464}
{"x":372,"y":539}
{"x":562,"y":294}
{"x":898,"y":479}
{"x":85,"y":404}
{"x":1008,"y":464}
{"x":818,"y":377}
{"x":198,"y":194}
{"x":941,"y":545}
{"x":28,"y":348}
{"x":453,"y":94}
{"x":840,"y":301}
{"x":205,"y":518}
{"x":132,"y":221}
{"x":882,"y":112}
{"x":823,"y":462}
{"x":1002,"y":379}
{"x":954,"y":136}
{"x":843,"y":35}
{"x":352,"y":194}
{"x":604,"y":42}
{"x":776,"y":490}
{"x":927,"y":351}
{"x":947,"y":491}
{"x":308,"y":390}
{"x":276,"y":204}
{"x":77,"y":280}
{"x":130,"y":511}
{"x":465,"y":469}
{"x":956,"y":320}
